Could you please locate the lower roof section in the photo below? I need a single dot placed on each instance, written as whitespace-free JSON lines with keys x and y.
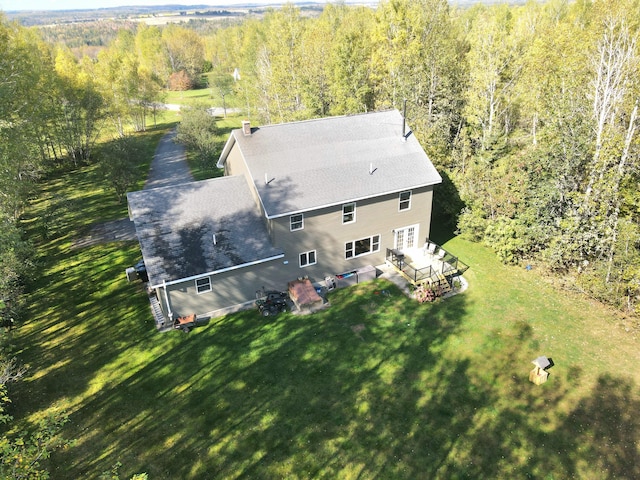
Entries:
{"x":199,"y":227}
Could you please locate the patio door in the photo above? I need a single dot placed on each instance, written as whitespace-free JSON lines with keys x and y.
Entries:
{"x":406,"y":237}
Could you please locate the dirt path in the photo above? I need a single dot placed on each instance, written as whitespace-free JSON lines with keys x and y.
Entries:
{"x":169,"y":167}
{"x":113,"y":231}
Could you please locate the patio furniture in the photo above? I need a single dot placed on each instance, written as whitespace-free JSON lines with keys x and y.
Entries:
{"x":429,"y":249}
{"x":304,"y":294}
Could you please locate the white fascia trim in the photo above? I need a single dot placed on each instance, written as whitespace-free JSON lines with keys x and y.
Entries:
{"x":216,"y":272}
{"x":354,"y":200}
{"x":225,"y":151}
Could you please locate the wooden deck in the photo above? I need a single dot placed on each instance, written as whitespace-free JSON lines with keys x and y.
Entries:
{"x":430,"y":265}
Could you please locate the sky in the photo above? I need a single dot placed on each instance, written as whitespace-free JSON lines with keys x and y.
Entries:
{"x":6,"y":5}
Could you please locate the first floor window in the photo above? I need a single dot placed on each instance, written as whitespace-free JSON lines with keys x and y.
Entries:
{"x":203,"y":285}
{"x":405,"y":201}
{"x":364,"y":246}
{"x":296,"y":222}
{"x":308,"y":258}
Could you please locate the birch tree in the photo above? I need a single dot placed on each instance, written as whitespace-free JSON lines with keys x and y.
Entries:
{"x":351,"y":72}
{"x":315,"y":74}
{"x":613,"y":96}
{"x":80,"y":107}
{"x":279,"y":65}
{"x":25,"y":82}
{"x":493,"y":71}
{"x":613,"y":63}
{"x":152,"y":57}
{"x":419,"y":58}
{"x":128,"y":88}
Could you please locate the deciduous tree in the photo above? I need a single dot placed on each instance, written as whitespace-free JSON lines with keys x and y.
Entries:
{"x":120,"y":164}
{"x":185,"y":51}
{"x":198,"y":130}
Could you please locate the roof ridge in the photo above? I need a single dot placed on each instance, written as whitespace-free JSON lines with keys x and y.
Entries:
{"x":318,"y":119}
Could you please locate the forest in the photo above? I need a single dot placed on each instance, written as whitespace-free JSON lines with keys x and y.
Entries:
{"x":529,"y":112}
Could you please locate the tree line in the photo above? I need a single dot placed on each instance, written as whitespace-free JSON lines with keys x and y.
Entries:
{"x":53,"y":109}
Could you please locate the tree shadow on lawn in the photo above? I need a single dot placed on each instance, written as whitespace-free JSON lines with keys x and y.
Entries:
{"x":305,"y":396}
{"x":249,"y":396}
{"x":75,"y":328}
{"x":546,"y":431}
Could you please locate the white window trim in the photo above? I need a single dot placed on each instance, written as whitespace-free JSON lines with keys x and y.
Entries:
{"x":400,"y":201}
{"x":353,"y":213}
{"x":198,"y":291}
{"x":352,"y":242}
{"x":291,"y":229}
{"x":315,"y":258}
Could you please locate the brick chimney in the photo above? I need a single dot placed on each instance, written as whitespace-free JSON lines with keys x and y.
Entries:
{"x":246,"y":127}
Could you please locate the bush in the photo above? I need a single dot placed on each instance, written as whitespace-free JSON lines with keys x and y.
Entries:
{"x":507,"y":237}
{"x":472,"y":224}
{"x":198,"y":132}
{"x":180,"y":81}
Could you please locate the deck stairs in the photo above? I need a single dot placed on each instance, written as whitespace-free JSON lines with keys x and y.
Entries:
{"x":442,"y":284}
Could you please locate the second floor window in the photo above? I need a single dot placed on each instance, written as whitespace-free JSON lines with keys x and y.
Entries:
{"x":349,"y":213}
{"x":405,"y":201}
{"x":296,"y":222}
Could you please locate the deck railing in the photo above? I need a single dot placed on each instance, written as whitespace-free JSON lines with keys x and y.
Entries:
{"x":414,"y":275}
{"x":451,"y":266}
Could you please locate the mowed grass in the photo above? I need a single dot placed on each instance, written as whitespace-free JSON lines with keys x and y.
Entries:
{"x":198,"y":96}
{"x":376,"y":386}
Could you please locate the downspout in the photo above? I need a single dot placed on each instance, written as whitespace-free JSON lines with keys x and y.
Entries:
{"x":166,"y":298}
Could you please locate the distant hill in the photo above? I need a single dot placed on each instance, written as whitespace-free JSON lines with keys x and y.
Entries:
{"x":49,"y":17}
{"x":52,"y":17}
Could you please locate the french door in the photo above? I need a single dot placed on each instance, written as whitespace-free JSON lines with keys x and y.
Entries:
{"x":406,"y":237}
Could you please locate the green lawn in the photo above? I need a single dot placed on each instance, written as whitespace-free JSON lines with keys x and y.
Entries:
{"x":423,"y":391}
{"x":199,"y":96}
{"x":191,"y":97}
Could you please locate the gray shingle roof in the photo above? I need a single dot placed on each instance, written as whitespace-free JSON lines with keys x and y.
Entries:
{"x":327,"y":161}
{"x":176,"y":224}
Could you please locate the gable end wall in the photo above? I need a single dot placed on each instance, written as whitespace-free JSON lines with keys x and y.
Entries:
{"x":235,"y":165}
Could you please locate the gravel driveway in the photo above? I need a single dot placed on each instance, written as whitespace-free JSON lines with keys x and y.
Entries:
{"x":169,"y":167}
